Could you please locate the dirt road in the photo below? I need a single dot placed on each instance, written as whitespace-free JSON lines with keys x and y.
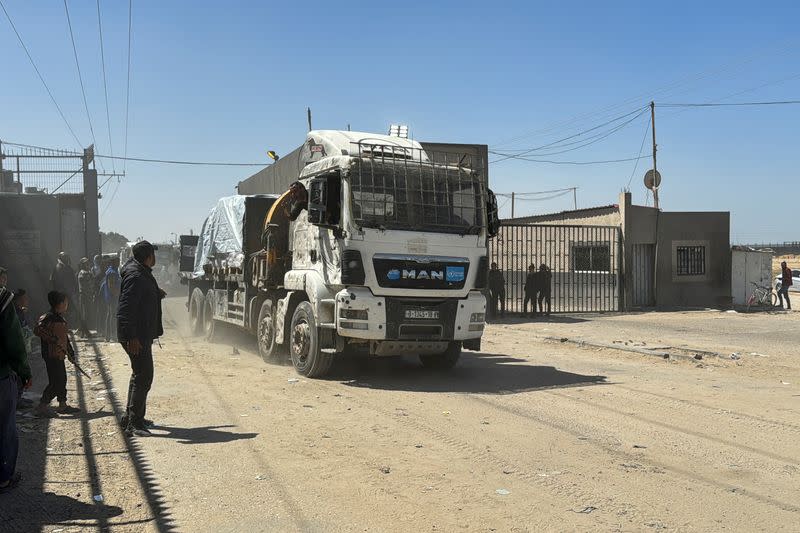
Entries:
{"x":524,"y":436}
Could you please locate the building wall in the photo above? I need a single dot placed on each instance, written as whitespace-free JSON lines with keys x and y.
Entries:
{"x":708,"y":229}
{"x":30,"y":239}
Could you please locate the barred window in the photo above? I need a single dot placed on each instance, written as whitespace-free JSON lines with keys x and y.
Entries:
{"x":691,"y":260}
{"x":591,"y":258}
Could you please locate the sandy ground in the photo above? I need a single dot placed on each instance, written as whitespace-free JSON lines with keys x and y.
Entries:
{"x":527,"y":435}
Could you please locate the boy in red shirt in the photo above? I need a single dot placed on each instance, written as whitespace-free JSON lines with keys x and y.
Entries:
{"x":56,"y":346}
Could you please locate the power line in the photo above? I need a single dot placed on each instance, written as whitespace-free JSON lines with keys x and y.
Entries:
{"x":638,"y":112}
{"x":80,"y":76}
{"x":600,"y":162}
{"x":105,"y":85}
{"x":641,"y":148}
{"x":734,"y":104}
{"x":38,"y":73}
{"x":174,"y":162}
{"x":508,"y":194}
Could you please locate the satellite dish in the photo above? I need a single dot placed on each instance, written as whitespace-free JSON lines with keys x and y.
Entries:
{"x":652,"y":179}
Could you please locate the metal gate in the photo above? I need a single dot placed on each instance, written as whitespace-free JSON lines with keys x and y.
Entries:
{"x":584,"y":262}
{"x":643,"y":264}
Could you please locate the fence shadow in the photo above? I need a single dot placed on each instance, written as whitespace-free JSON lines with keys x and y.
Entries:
{"x":477,"y":373}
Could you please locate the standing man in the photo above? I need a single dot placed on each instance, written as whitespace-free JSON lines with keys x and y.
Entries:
{"x":545,"y":281}
{"x":64,"y":280}
{"x":531,"y":288}
{"x":786,"y":282}
{"x":85,"y":296}
{"x":15,"y":375}
{"x":138,"y":324}
{"x":99,"y":273}
{"x":111,"y":286}
{"x":497,"y":291}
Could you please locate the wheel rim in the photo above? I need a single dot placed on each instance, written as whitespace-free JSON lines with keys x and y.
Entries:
{"x":265,"y":333}
{"x":208,"y":318}
{"x":301,"y":340}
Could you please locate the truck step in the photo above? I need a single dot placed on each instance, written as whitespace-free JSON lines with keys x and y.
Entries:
{"x":327,"y":325}
{"x":328,"y":350}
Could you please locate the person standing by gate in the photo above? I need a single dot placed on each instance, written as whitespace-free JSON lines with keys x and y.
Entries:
{"x":85,"y":295}
{"x":138,"y":325}
{"x":545,"y":279}
{"x":531,"y":287}
{"x":110,"y":295}
{"x":64,"y":280}
{"x":786,"y":282}
{"x":497,"y":291}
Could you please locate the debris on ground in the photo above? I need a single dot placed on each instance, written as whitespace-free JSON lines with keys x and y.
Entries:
{"x":503,"y":492}
{"x":292,"y":380}
{"x":98,"y":497}
{"x":639,"y":446}
{"x":386,"y":469}
{"x":735,"y":356}
{"x":586,"y":510}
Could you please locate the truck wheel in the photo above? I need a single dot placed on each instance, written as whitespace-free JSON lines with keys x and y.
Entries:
{"x":304,"y":344}
{"x":196,"y":305}
{"x":209,"y":324}
{"x":270,"y":351}
{"x":443,"y":361}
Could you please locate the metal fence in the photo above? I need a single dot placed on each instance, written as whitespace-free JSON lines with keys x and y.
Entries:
{"x":584,"y":261}
{"x":33,"y":169}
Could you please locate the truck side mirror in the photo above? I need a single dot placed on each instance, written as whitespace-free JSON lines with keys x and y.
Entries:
{"x":492,"y":216}
{"x":317,"y":201}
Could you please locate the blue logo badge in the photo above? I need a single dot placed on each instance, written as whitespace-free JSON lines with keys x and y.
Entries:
{"x":393,"y":274}
{"x":454,"y":274}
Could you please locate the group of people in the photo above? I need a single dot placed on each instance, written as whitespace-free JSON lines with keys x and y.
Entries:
{"x":537,"y":290}
{"x":94,"y":290}
{"x":134,"y":303}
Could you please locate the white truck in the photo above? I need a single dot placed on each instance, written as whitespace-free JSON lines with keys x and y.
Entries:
{"x":379,"y":247}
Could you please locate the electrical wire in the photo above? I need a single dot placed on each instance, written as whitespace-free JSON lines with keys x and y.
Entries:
{"x":508,"y":194}
{"x":637,"y":112}
{"x":175,"y":162}
{"x":105,"y":85}
{"x":38,"y":73}
{"x":80,"y":77}
{"x":733,"y":104}
{"x":638,"y":157}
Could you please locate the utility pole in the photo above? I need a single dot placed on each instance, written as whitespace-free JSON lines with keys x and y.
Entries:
{"x":90,"y":209}
{"x":655,"y":170}
{"x":575,"y":198}
{"x":512,"y":205}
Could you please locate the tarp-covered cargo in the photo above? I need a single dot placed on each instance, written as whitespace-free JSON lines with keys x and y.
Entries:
{"x":231,"y":232}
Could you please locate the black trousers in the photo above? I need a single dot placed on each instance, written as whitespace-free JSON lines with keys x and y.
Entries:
{"x":9,"y":441}
{"x":529,"y":298}
{"x":497,"y":297}
{"x":784,"y":292}
{"x":140,"y":383}
{"x":57,"y":380}
{"x":544,"y":296}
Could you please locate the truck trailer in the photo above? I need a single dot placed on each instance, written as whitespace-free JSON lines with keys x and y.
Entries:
{"x":357,"y":243}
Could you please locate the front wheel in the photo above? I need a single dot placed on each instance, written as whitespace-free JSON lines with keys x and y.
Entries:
{"x":773,"y":299}
{"x":443,"y":361}
{"x":308,"y":357}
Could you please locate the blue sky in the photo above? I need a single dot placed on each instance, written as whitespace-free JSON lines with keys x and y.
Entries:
{"x":229,"y":81}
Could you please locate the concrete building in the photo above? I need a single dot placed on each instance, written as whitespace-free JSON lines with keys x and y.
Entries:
{"x":669,"y":259}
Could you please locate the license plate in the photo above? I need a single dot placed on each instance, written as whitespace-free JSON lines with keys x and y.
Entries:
{"x":422,"y":314}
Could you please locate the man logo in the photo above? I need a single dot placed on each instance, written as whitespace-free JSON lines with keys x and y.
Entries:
{"x":423,"y":274}
{"x":393,"y":274}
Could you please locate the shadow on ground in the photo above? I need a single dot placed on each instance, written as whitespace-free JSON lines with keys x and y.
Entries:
{"x":517,"y":318}
{"x":201,"y":435}
{"x":476,"y":372}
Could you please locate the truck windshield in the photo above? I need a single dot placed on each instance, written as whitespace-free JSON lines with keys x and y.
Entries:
{"x":416,"y":195}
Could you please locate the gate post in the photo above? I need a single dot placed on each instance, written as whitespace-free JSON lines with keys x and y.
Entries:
{"x":90,"y":209}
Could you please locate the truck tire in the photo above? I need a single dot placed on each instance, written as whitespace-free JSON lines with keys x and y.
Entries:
{"x":270,"y":351}
{"x":443,"y":361}
{"x":209,"y":324}
{"x":304,"y":344}
{"x":196,"y":305}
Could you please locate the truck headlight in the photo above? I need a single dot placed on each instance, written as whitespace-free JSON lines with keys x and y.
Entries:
{"x":354,"y":314}
{"x":477,"y":317}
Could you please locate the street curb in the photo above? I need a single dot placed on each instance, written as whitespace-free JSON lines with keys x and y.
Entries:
{"x":632,"y":349}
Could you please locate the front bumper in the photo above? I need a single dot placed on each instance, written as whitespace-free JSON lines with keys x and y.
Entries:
{"x":362,"y":315}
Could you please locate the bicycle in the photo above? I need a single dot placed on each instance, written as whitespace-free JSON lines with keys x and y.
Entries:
{"x":762,"y":296}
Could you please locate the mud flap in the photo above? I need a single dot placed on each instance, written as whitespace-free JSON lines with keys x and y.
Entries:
{"x":472,"y":344}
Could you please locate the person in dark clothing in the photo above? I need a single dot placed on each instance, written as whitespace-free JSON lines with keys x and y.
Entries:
{"x":138,"y":324}
{"x":56,"y":346}
{"x":64,"y":280}
{"x":786,"y":282}
{"x":497,"y":291}
{"x":15,"y":374}
{"x":544,"y":284}
{"x":86,"y":296}
{"x":531,"y":287}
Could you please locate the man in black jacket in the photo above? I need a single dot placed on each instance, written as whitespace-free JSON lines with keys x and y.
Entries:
{"x":138,"y":324}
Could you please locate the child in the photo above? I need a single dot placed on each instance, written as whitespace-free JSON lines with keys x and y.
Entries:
{"x":52,"y":329}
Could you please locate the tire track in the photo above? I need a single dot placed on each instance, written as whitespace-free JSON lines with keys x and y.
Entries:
{"x":692,"y":475}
